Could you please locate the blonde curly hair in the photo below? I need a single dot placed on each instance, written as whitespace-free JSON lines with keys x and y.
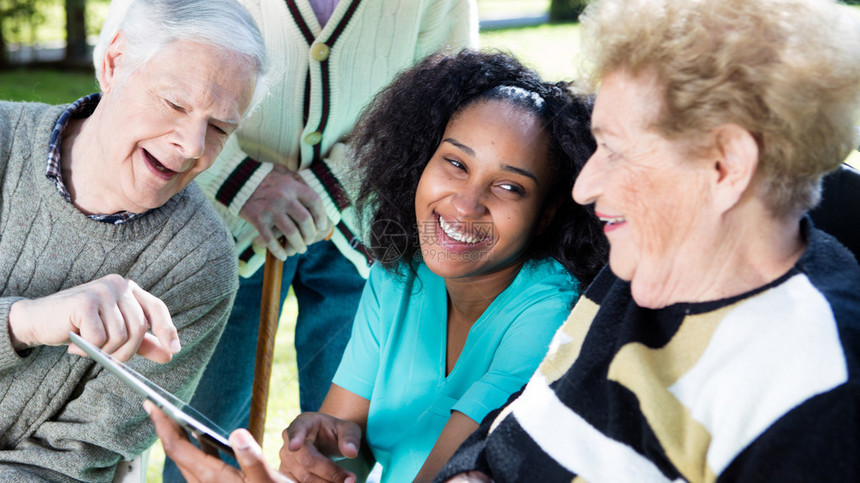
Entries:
{"x":788,"y":71}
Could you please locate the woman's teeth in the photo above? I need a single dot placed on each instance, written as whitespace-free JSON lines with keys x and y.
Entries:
{"x":612,"y":221}
{"x":450,"y":230}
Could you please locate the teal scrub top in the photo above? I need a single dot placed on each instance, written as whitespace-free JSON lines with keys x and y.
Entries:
{"x":396,"y":355}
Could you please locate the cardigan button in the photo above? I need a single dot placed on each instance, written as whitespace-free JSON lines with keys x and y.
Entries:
{"x":313,"y":138}
{"x":320,"y":52}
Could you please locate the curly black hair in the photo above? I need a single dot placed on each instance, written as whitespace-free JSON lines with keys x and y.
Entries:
{"x":403,"y":126}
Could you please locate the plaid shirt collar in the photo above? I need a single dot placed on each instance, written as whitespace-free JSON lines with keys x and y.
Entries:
{"x":81,"y":108}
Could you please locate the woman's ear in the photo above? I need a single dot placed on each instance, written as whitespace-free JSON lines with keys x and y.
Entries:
{"x":110,"y":61}
{"x":548,"y":214}
{"x":736,"y":159}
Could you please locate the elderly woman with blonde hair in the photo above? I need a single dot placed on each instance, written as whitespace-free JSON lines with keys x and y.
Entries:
{"x":722,"y":341}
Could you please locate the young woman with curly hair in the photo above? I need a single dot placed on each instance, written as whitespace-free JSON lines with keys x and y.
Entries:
{"x":467,"y":162}
{"x":466,"y":165}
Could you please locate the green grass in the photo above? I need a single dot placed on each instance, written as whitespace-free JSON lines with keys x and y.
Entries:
{"x":511,"y":8}
{"x":48,"y":86}
{"x":549,"y":49}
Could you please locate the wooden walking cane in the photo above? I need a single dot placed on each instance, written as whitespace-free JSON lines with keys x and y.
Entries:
{"x":270,"y":308}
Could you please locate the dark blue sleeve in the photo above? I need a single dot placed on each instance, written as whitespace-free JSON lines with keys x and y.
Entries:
{"x":816,"y":441}
{"x":471,"y":456}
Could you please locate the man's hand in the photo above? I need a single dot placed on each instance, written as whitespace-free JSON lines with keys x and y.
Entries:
{"x":197,"y":466}
{"x":284,"y":205}
{"x":309,"y":443}
{"x":112,"y":313}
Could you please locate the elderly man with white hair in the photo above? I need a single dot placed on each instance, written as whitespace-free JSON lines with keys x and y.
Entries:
{"x":103,"y":234}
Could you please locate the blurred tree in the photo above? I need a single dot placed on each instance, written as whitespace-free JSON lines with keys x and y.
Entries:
{"x":14,"y":14}
{"x":565,"y":10}
{"x":76,"y":32}
{"x":29,"y":24}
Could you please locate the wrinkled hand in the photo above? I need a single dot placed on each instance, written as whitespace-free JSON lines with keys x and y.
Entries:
{"x":197,"y":466}
{"x":112,"y":313}
{"x":285,"y":205}
{"x":470,"y":477}
{"x":309,"y":443}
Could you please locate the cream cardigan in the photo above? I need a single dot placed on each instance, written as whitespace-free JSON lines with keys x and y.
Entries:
{"x":321,"y":80}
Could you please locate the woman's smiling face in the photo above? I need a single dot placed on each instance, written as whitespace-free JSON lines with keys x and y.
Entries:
{"x":650,"y":192}
{"x":481,"y":196}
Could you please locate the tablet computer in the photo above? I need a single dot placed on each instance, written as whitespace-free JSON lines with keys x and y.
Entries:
{"x":198,"y":425}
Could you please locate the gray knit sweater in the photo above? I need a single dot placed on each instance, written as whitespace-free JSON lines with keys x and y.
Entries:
{"x":61,"y":417}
